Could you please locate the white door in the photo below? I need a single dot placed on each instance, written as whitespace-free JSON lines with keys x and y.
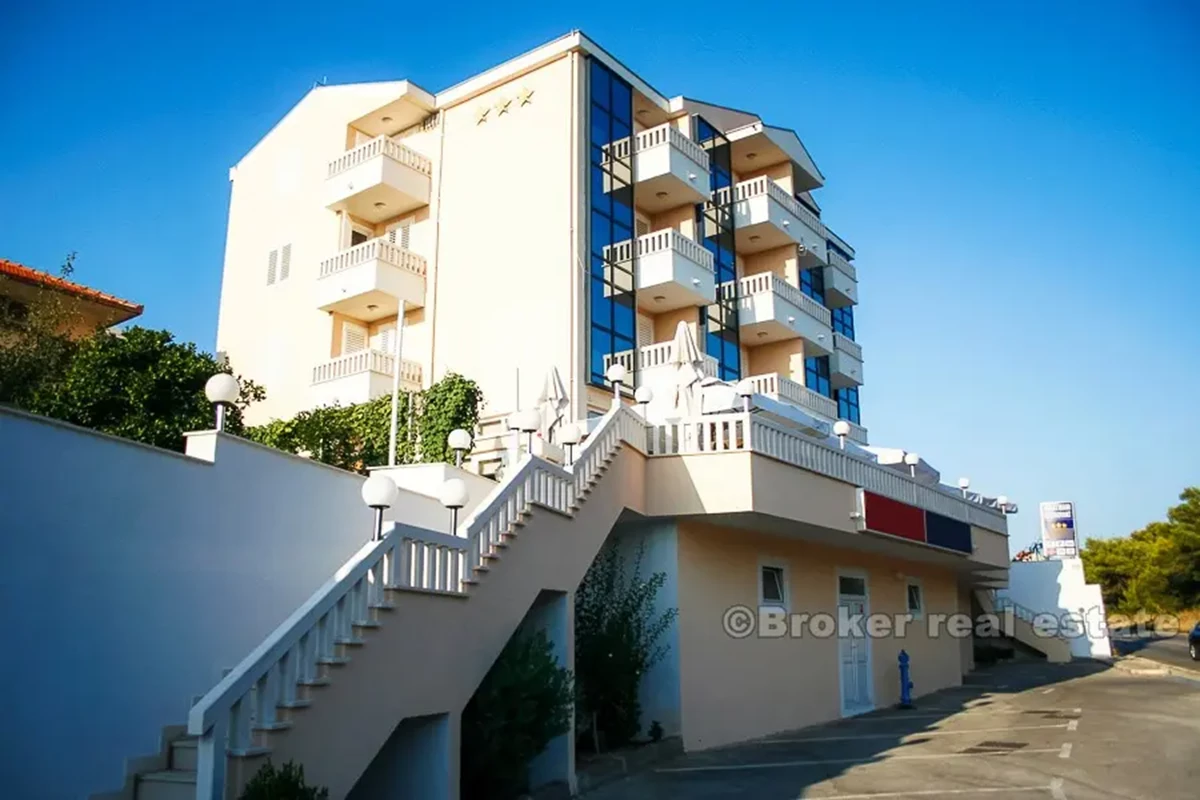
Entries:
{"x":854,"y":650}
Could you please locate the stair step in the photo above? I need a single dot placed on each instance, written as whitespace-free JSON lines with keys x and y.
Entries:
{"x":314,"y":682}
{"x":297,"y":703}
{"x":166,"y":785}
{"x":349,"y":641}
{"x":366,"y":623}
{"x":333,"y":661}
{"x":277,"y":725}
{"x":383,"y":606}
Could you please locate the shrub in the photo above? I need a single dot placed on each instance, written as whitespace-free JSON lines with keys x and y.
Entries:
{"x":285,"y":783}
{"x":617,"y":633}
{"x":522,"y":704}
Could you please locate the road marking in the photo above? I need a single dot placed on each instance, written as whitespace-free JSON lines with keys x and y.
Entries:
{"x":1056,"y":789}
{"x":934,"y":792}
{"x":1066,"y":751}
{"x":866,"y":760}
{"x":1073,"y":725}
{"x":1048,"y":691}
{"x":936,"y":732}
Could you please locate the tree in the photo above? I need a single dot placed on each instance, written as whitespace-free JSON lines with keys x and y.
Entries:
{"x":617,"y":640}
{"x":522,"y":704}
{"x":139,"y":384}
{"x":1154,"y":569}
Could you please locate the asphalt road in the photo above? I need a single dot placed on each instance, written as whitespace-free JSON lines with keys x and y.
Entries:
{"x":1171,"y":650}
{"x":1082,"y":731}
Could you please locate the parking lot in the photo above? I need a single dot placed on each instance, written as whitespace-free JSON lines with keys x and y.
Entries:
{"x":1028,"y":730}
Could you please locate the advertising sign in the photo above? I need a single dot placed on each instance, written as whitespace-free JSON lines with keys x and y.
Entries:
{"x":1059,"y":538}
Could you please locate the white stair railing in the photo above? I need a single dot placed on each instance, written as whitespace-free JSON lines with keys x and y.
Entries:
{"x":270,"y":677}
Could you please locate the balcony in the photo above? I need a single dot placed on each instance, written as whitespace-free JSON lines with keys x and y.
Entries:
{"x":770,"y":310}
{"x":378,"y":180}
{"x":845,"y":363}
{"x":359,"y":377}
{"x":371,"y":281}
{"x":669,"y":168}
{"x":766,"y":216}
{"x":785,"y":390}
{"x":841,"y":282}
{"x":655,"y":360}
{"x":672,"y":271}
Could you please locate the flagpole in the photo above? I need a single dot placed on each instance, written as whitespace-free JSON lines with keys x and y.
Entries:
{"x":392,"y":433}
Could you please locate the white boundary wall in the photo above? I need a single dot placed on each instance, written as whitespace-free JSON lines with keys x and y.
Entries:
{"x":131,"y":576}
{"x":1058,"y":587}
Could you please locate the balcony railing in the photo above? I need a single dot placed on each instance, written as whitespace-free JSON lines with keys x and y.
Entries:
{"x":718,"y":433}
{"x":656,"y":355}
{"x":366,"y":361}
{"x":373,"y":249}
{"x":653,"y":137}
{"x":764,"y":185}
{"x":671,"y":239}
{"x":771,"y":282}
{"x":783,"y":388}
{"x":843,"y":266}
{"x":848,"y":346}
{"x":380,"y":145}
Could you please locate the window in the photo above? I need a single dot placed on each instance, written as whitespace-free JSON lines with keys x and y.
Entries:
{"x":357,"y":237}
{"x":772,"y":585}
{"x":354,"y":338}
{"x":715,"y":230}
{"x":272,"y":266}
{"x":611,"y":288}
{"x":852,"y":586}
{"x":13,"y":314}
{"x":816,"y":375}
{"x":847,"y":400}
{"x":812,"y":283}
{"x":285,"y":262}
{"x":916,"y":600}
{"x":843,"y":321}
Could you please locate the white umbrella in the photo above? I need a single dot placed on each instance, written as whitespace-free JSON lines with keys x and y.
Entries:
{"x":689,"y":370}
{"x":553,"y":401}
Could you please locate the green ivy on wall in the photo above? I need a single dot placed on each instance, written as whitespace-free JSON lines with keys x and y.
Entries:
{"x":356,"y":437}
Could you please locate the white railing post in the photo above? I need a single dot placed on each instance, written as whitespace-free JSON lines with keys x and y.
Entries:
{"x":211,"y":763}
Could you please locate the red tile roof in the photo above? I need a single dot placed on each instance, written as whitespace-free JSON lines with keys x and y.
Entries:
{"x":35,"y":277}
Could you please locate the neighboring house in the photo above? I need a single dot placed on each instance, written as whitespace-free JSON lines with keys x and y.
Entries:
{"x":89,"y":309}
{"x":555,"y":213}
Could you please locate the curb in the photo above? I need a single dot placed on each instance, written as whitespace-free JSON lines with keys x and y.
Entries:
{"x":1136,"y":665}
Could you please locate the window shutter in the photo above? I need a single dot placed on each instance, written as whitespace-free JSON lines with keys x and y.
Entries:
{"x":399,"y":235}
{"x":354,"y":338}
{"x":272,"y":261}
{"x":285,"y":262}
{"x":387,"y":339}
{"x":645,"y":331}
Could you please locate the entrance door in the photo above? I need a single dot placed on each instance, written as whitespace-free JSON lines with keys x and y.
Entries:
{"x":854,"y":651}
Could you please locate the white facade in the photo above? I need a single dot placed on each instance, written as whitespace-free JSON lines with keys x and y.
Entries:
{"x":1058,"y":587}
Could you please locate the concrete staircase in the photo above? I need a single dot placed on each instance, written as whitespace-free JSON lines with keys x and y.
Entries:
{"x":407,"y":628}
{"x":1019,"y":620}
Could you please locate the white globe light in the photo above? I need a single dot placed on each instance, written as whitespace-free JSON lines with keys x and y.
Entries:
{"x":644,"y":394}
{"x":379,"y":491}
{"x":222,"y":388}
{"x":745,"y":388}
{"x":616,"y":373}
{"x":528,"y":420}
{"x":570,"y":434}
{"x":1002,"y":500}
{"x":453,"y":493}
{"x":964,"y":483}
{"x":460,"y":439}
{"x":514,"y":421}
{"x":841,"y":428}
{"x":912,"y":459}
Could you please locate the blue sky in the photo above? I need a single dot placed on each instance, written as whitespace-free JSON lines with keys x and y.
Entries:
{"x":1019,"y":179}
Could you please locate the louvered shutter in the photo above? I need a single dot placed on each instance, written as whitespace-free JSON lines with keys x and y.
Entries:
{"x":354,"y":338}
{"x":285,"y":262}
{"x":387,"y":339}
{"x":645,"y":331}
{"x":399,"y":235}
{"x":272,"y":262}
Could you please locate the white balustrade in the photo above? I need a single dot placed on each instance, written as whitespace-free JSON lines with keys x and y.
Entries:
{"x":671,"y":239}
{"x":380,"y":145}
{"x":668,"y":133}
{"x":842,"y":265}
{"x":847,"y":345}
{"x":764,"y":185}
{"x":784,"y":388}
{"x":772,"y":282}
{"x":370,"y":250}
{"x":366,"y":361}
{"x":656,"y":355}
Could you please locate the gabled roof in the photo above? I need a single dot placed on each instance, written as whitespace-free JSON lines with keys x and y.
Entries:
{"x":33,"y":277}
